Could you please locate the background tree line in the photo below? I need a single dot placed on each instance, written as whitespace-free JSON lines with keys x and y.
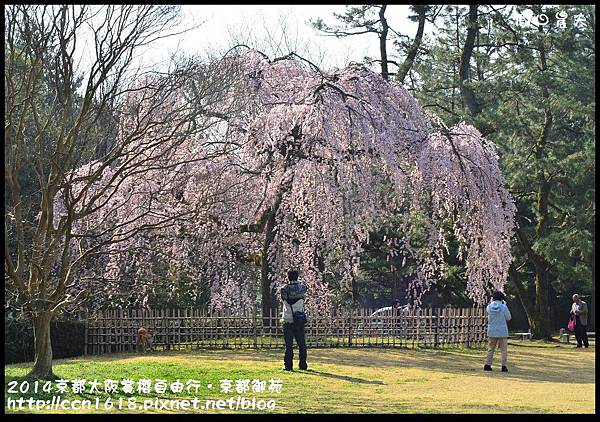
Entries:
{"x":530,"y":88}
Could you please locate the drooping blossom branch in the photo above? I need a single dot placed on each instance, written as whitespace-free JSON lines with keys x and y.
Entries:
{"x":314,"y":161}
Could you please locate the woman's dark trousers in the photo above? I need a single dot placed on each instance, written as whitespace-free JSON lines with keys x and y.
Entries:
{"x":293,"y":331}
{"x":581,"y":333}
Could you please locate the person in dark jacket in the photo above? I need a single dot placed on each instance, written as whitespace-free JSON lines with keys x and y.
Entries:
{"x":579,"y":310}
{"x":294,"y":319}
{"x":497,"y":331}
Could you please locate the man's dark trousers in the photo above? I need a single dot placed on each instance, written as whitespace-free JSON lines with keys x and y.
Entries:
{"x":581,"y":333}
{"x":291,"y":331}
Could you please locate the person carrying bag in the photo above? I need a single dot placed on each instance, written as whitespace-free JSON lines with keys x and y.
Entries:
{"x":579,"y":316}
{"x":294,"y":320}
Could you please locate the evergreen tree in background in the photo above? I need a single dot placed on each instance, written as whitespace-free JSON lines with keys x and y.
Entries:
{"x":534,"y":88}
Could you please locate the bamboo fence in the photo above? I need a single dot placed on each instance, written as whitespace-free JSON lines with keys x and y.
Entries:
{"x":116,"y":330}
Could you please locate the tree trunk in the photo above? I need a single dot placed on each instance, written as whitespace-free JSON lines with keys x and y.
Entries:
{"x":465,"y":61}
{"x":538,"y":314}
{"x":383,"y":43}
{"x":540,"y":323}
{"x":521,"y":293}
{"x":42,"y":366}
{"x":414,"y":49}
{"x":268,"y":296}
{"x":356,"y":298}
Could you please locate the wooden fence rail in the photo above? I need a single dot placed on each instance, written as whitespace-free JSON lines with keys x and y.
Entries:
{"x":116,"y":331}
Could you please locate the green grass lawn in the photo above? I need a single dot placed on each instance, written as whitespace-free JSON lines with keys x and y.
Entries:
{"x":543,"y":378}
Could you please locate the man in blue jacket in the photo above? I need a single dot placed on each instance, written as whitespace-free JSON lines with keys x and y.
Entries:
{"x":498,"y":315}
{"x":294,"y":319}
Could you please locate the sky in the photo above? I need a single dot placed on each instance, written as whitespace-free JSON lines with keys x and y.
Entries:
{"x":275,"y":29}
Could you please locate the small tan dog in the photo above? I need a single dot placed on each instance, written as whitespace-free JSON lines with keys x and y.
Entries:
{"x":144,"y":338}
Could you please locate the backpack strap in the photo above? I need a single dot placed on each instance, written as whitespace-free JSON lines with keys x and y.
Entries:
{"x":292,"y":302}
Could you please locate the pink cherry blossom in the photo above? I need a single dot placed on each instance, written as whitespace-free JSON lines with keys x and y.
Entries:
{"x":332,"y":154}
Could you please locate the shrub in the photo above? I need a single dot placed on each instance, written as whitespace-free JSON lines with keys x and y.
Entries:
{"x":68,"y":339}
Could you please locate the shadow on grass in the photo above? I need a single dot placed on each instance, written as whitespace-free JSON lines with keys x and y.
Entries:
{"x":195,"y":354}
{"x":548,"y":367}
{"x":548,"y":344}
{"x":343,"y":377}
{"x":538,"y":362}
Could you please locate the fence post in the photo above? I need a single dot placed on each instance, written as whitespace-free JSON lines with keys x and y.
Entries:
{"x":469,"y":326}
{"x":85,"y":330}
{"x":350,"y":329}
{"x":254,"y":328}
{"x":436,"y":341}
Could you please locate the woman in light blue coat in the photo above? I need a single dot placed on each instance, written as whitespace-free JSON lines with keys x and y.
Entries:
{"x":497,"y":331}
